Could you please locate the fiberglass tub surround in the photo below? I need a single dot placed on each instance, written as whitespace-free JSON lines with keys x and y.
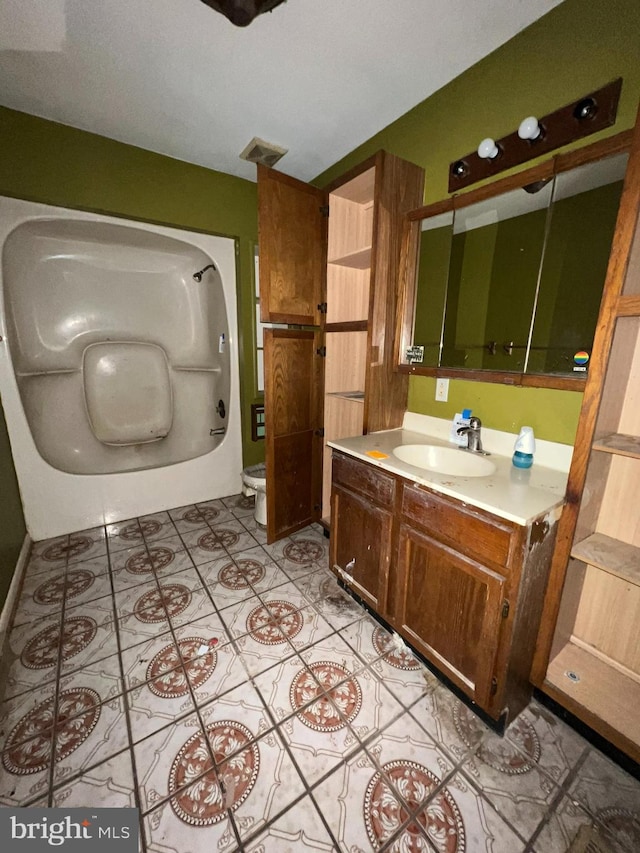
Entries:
{"x":114,"y":358}
{"x":120,"y":354}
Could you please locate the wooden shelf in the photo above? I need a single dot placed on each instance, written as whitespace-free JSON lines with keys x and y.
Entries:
{"x":611,"y":555}
{"x":352,"y":396}
{"x":621,"y":445}
{"x":358,"y":260}
{"x":628,"y":306}
{"x":347,"y":326}
{"x":603,"y":692}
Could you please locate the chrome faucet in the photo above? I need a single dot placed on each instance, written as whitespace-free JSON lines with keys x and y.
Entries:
{"x":474,"y":440}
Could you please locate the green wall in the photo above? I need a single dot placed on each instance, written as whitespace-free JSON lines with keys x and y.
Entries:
{"x":55,"y":164}
{"x":577,"y":47}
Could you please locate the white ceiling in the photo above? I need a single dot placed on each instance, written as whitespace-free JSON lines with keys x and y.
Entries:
{"x":315,"y":76}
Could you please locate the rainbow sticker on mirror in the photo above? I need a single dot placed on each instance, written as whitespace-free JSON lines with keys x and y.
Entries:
{"x":580,"y":361}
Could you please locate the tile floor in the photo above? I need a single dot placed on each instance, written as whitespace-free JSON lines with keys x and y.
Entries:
{"x":238,"y":697}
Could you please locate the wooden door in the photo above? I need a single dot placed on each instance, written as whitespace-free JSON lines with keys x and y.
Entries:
{"x":293,"y":440}
{"x":361,"y":545}
{"x":292,"y":238}
{"x":451,"y":610}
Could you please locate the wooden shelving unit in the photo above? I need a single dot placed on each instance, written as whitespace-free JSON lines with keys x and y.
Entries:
{"x":608,"y":699}
{"x":610,"y":555}
{"x":350,"y":240}
{"x":329,"y":269}
{"x":588,"y":652}
{"x":622,"y":445}
{"x":360,"y":259}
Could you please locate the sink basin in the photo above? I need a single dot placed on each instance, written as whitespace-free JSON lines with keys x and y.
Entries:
{"x":445,"y":460}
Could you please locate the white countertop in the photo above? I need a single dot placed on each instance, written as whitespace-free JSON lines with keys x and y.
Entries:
{"x":511,"y":493}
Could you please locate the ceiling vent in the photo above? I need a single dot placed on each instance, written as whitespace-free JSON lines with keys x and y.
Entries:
{"x":265,"y":153}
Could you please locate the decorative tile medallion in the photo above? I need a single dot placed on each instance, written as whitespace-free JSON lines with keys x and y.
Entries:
{"x":139,"y":564}
{"x":303,"y":551}
{"x":327,"y":586}
{"x":76,"y":546}
{"x":28,"y":747}
{"x":42,"y":651}
{"x":167,"y":678}
{"x":513,"y":756}
{"x":154,"y":606}
{"x":222,"y":538}
{"x":623,"y":824}
{"x":208,"y":513}
{"x":440,"y":819}
{"x":131,"y":532}
{"x":203,"y":802}
{"x":246,"y":502}
{"x":241,"y":575}
{"x":161,"y":557}
{"x":263,"y":622}
{"x":313,"y":705}
{"x":55,"y":590}
{"x":397,"y":656}
{"x":150,"y":527}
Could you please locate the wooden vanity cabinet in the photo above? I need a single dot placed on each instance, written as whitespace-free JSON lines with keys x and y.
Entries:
{"x":363,"y":501}
{"x":464,"y":587}
{"x":450,"y":608}
{"x":329,"y":259}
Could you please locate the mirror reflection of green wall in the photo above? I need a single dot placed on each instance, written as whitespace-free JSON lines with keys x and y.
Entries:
{"x":431,"y":293}
{"x":518,"y":268}
{"x":496,"y":254}
{"x":583,"y":217}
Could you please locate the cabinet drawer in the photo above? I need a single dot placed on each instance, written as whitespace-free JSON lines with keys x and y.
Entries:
{"x":481,"y":537}
{"x":364,"y":479}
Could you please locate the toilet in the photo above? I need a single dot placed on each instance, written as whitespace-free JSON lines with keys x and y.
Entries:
{"x":254,"y":483}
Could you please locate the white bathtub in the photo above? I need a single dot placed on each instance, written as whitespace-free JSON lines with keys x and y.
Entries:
{"x":114,"y":363}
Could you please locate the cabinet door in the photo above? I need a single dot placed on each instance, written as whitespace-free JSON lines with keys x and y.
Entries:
{"x":451,"y":608}
{"x":292,"y":394}
{"x":292,"y":235}
{"x":361,"y":545}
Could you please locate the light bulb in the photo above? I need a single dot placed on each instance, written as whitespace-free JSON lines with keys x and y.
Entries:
{"x":488,"y":149}
{"x":459,"y":169}
{"x":529,"y":128}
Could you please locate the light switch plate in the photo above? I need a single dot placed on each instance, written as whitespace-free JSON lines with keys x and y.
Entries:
{"x":442,"y":390}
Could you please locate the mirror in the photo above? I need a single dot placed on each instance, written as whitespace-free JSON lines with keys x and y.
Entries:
{"x":434,"y":255}
{"x":496,"y":251}
{"x":510,"y":282}
{"x":583,"y":216}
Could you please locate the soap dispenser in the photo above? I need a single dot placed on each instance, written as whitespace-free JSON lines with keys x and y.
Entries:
{"x":524,"y":448}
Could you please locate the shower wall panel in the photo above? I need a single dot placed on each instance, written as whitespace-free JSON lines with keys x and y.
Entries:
{"x":116,"y":361}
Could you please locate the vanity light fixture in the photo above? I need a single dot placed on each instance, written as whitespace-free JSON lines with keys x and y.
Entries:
{"x":536,"y":136}
{"x":460,"y":169}
{"x":586,"y":109}
{"x":530,"y":129}
{"x":488,"y":149}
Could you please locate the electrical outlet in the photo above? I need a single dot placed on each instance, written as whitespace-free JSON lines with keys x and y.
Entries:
{"x":442,"y":390}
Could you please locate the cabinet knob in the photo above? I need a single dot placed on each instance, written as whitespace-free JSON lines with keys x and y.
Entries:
{"x":350,"y":566}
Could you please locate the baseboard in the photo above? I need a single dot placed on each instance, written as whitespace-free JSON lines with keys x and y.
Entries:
{"x":11,"y":600}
